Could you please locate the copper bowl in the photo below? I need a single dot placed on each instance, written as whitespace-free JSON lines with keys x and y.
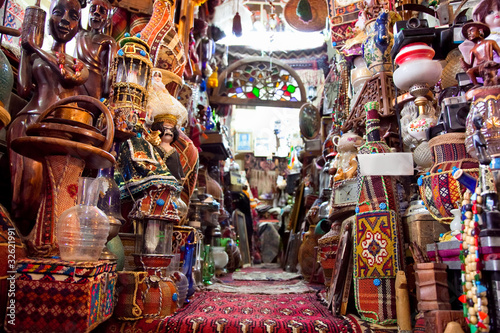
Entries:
{"x":73,"y":114}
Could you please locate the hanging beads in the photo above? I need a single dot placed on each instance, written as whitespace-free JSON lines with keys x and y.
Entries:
{"x":474,"y":292}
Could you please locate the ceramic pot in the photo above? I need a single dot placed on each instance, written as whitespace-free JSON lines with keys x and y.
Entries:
{"x":377,"y":46}
{"x":6,"y":84}
{"x":485,"y":103}
{"x":220,"y":259}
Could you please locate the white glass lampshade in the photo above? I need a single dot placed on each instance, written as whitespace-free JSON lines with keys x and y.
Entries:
{"x":416,"y":66}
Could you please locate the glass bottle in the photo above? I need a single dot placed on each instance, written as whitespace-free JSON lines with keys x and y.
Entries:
{"x":197,"y":269}
{"x":208,"y":269}
{"x":187,"y":268}
{"x":109,"y":203}
{"x":82,"y":230}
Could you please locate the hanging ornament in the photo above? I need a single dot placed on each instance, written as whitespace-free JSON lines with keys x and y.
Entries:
{"x":237,"y":30}
{"x":304,"y":11}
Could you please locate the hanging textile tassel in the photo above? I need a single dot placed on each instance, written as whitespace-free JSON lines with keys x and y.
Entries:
{"x":304,"y":11}
{"x":237,"y":30}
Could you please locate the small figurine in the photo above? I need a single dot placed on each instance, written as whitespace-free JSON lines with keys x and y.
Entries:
{"x":167,"y":126}
{"x":97,"y":50}
{"x":345,"y":165}
{"x":481,"y":54}
{"x":479,"y":141}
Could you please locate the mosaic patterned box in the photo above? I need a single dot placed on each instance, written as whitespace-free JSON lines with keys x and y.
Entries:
{"x":60,"y":296}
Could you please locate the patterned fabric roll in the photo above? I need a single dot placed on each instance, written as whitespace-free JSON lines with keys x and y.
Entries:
{"x":119,"y":23}
{"x":138,"y":22}
{"x":190,"y":161}
{"x":167,"y":50}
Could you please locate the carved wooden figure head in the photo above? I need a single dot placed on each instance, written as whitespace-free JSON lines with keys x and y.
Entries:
{"x":64,"y":18}
{"x":98,"y":14}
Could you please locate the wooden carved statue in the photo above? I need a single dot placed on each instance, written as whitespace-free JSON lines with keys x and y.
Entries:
{"x":55,"y":75}
{"x":97,"y":50}
{"x":481,"y":55}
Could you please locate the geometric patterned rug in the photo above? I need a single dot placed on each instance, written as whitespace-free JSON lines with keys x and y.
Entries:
{"x":223,"y":312}
{"x":213,"y":312}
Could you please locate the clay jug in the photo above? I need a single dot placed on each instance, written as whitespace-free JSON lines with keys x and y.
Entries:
{"x":307,"y":253}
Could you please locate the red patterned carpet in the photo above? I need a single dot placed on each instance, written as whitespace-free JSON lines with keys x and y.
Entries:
{"x":212,"y":312}
{"x":217,"y":312}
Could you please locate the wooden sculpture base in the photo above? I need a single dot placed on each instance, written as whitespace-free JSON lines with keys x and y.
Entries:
{"x":63,"y":162}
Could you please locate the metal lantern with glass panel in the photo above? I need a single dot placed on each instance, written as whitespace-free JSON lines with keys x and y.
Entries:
{"x":131,"y":79}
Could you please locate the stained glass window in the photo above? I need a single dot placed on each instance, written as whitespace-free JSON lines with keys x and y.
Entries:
{"x":263,"y":80}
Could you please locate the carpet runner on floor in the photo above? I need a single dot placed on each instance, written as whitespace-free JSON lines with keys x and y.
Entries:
{"x":246,"y":306}
{"x":214,"y":312}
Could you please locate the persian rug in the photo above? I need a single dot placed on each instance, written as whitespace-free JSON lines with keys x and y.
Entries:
{"x":262,"y":288}
{"x":213,"y":312}
{"x":265,"y":276}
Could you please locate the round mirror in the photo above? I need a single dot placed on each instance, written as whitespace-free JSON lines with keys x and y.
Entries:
{"x":309,"y":121}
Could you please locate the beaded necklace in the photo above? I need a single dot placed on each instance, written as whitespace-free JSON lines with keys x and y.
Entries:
{"x":475,"y":302}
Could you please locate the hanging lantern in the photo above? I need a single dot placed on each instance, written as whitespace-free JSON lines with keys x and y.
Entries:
{"x":131,"y":70}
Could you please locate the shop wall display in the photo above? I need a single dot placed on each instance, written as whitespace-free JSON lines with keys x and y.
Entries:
{"x":243,"y":142}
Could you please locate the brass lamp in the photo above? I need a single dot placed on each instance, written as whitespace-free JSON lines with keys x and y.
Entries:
{"x":131,"y":70}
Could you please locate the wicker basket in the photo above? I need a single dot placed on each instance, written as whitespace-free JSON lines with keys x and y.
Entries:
{"x":439,"y":191}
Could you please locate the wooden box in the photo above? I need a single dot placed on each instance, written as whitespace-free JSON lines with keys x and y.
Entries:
{"x":436,"y":321}
{"x":422,"y":229}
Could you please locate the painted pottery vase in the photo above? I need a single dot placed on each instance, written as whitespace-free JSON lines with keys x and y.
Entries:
{"x":439,"y":191}
{"x":485,"y":101}
{"x":307,"y":253}
{"x":6,"y":84}
{"x":378,"y":44}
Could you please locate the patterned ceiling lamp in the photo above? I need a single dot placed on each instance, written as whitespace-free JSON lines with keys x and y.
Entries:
{"x":131,"y":78}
